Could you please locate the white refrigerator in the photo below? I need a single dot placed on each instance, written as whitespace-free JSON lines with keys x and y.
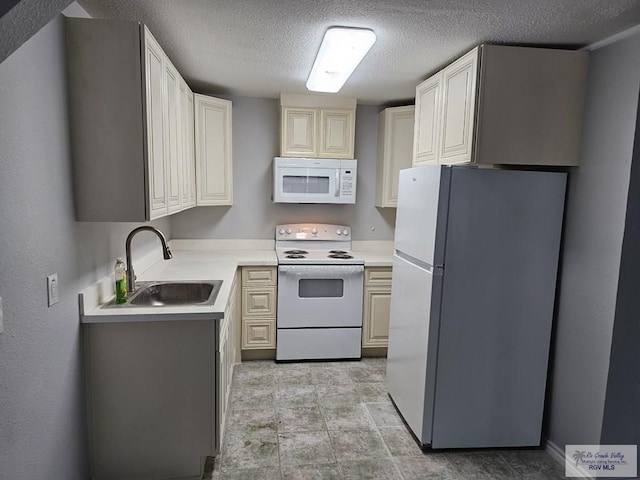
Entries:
{"x":473,"y":289}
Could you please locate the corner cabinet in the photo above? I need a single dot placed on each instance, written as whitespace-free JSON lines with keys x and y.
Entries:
{"x":395,"y":149}
{"x":317,"y":126}
{"x":214,"y":167}
{"x":259,"y":296}
{"x":377,"y":306}
{"x":503,"y":105}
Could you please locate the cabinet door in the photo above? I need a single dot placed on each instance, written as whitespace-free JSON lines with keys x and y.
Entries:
{"x":427,"y":121}
{"x":375,"y":325}
{"x":187,"y":148}
{"x":214,"y":172}
{"x":191,"y":150}
{"x":154,"y":73}
{"x":395,"y":152}
{"x":172,"y":135}
{"x":299,"y":136}
{"x":337,"y":133}
{"x":459,"y":82}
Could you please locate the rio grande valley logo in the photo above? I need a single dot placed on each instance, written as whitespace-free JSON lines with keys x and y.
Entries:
{"x":601,"y":460}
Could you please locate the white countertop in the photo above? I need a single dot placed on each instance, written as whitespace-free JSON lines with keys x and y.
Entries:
{"x":195,"y":264}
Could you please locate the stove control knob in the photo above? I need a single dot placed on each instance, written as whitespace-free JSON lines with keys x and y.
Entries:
{"x":314,"y":231}
{"x":288,"y":231}
{"x":281,"y":232}
{"x":345,"y":232}
{"x":338,"y":231}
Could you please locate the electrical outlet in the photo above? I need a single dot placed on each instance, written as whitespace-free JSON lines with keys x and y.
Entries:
{"x":1,"y":317}
{"x":52,"y":289}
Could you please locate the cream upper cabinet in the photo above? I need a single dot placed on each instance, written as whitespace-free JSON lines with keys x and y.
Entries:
{"x":317,"y":126}
{"x":427,"y":121}
{"x":337,"y":133}
{"x":503,"y":105}
{"x":395,"y":150}
{"x":214,"y":167}
{"x":126,"y":122}
{"x":459,"y":82}
{"x":154,"y":91}
{"x":172,"y":136}
{"x":191,"y":150}
{"x":187,"y":148}
{"x":299,"y":126}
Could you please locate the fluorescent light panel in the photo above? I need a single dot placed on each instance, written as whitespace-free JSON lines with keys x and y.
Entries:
{"x":341,"y":51}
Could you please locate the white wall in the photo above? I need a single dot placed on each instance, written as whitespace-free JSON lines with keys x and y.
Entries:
{"x":42,"y":411}
{"x":594,"y":227}
{"x":256,"y":134}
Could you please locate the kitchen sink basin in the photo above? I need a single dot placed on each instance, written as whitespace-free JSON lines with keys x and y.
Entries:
{"x":172,"y":294}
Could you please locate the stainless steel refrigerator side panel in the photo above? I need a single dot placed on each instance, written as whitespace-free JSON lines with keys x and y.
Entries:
{"x":498,"y":295}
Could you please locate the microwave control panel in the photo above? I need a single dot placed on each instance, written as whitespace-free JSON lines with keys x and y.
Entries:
{"x":348,"y":181}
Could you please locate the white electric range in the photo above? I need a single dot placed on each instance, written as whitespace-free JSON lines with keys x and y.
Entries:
{"x":320,"y":288}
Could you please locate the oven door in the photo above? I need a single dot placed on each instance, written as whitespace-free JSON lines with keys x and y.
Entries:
{"x":320,"y":296}
{"x":307,"y":185}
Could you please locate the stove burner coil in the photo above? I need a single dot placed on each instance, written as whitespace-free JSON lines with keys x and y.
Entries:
{"x":343,"y":256}
{"x":296,"y":252}
{"x":339,"y":252}
{"x":295,"y":255}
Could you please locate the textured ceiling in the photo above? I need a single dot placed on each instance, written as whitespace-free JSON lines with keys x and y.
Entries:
{"x":264,"y":47}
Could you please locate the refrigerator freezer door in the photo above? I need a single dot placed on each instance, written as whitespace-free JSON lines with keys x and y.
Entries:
{"x":409,"y":380}
{"x":422,"y":204}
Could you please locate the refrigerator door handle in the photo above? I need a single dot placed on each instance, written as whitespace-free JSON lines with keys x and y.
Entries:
{"x":437,"y":270}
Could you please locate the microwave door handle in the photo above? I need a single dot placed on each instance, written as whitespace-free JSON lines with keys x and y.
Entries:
{"x":337,"y":183}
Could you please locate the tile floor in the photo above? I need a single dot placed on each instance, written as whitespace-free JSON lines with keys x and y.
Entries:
{"x":334,"y":420}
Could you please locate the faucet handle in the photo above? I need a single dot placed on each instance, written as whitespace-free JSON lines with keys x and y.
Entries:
{"x":167,"y":253}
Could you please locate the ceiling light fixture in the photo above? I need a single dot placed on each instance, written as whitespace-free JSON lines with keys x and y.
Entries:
{"x":341,"y":51}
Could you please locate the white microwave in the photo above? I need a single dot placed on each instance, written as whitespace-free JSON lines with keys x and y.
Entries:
{"x":314,"y":180}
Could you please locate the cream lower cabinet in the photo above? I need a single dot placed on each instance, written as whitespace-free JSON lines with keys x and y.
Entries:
{"x":229,"y":355}
{"x":377,"y":305}
{"x":158,"y":393}
{"x":259,"y":296}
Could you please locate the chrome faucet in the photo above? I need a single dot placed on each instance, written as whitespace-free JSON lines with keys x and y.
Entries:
{"x":166,"y":253}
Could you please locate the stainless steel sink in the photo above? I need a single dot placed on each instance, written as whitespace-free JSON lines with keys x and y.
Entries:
{"x":172,"y":294}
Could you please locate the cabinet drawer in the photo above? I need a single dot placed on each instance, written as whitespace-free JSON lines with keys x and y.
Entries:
{"x":258,"y":333}
{"x":259,"y":302}
{"x":258,"y":276}
{"x":377,"y":276}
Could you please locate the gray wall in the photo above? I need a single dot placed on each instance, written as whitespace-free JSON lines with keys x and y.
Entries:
{"x":253,"y":215}
{"x":42,"y":426}
{"x":594,"y":227}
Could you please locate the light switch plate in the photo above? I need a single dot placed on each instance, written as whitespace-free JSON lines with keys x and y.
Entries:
{"x":52,"y":289}
{"x":1,"y":317}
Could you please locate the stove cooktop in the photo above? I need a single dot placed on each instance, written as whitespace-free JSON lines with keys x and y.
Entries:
{"x":291,"y":256}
